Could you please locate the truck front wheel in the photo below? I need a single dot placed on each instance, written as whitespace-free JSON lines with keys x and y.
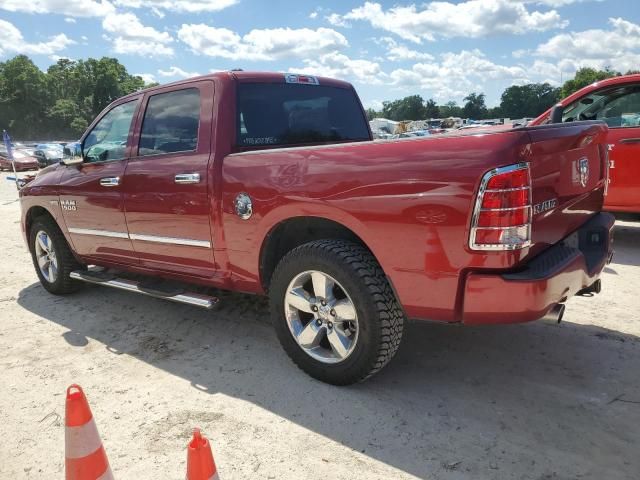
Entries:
{"x":52,"y":257}
{"x":334,"y":311}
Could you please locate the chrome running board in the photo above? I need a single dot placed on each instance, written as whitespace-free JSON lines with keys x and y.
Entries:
{"x":189,"y":298}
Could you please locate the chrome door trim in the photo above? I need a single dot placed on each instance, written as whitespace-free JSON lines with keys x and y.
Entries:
{"x":98,"y":233}
{"x":185,"y":178}
{"x":172,"y":240}
{"x":143,"y":238}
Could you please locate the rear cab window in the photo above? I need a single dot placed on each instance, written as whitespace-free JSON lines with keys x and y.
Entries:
{"x":289,"y":114}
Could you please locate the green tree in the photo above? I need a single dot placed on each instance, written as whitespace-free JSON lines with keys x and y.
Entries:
{"x":586,"y":76}
{"x":408,"y":108}
{"x":431,"y":109}
{"x":23,"y":97}
{"x":371,"y":114}
{"x":450,"y":109}
{"x":64,"y":100}
{"x":530,"y":100}
{"x":475,"y":107}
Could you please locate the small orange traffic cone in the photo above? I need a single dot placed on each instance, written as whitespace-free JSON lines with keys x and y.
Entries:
{"x":200,"y":464}
{"x":85,"y":458}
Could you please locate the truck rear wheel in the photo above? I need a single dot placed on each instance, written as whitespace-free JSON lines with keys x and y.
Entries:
{"x":52,"y":257}
{"x":334,"y":311}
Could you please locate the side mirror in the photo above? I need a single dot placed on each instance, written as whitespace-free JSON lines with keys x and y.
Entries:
{"x":70,"y":161}
{"x":72,"y":154}
{"x":556,"y":114}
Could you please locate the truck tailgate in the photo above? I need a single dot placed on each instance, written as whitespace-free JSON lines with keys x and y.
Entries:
{"x":569,"y":172}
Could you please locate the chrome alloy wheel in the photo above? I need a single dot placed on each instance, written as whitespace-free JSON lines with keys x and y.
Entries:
{"x":46,"y":256}
{"x":321,"y":317}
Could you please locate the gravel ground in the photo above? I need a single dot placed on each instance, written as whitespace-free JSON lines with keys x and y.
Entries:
{"x":534,"y":401}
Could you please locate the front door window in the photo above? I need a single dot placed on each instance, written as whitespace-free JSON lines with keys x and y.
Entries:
{"x":108,"y":139}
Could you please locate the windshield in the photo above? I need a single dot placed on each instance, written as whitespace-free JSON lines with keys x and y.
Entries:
{"x":286,"y":114}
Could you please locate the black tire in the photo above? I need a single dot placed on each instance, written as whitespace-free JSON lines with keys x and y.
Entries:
{"x":380,"y":318}
{"x":67,"y":263}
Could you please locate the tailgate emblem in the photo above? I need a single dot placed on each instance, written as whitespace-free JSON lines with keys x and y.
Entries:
{"x":583,"y":171}
{"x":544,"y":206}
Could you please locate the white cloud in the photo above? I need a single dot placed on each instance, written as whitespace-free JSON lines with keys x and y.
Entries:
{"x":70,"y":8}
{"x":101,"y":8}
{"x":12,"y":41}
{"x":618,"y":48}
{"x":398,"y":52}
{"x":457,"y":74}
{"x":338,"y":65}
{"x":70,"y":20}
{"x":313,"y":15}
{"x":557,"y":3}
{"x":181,"y":6}
{"x":260,"y":44}
{"x":177,"y":72}
{"x":337,"y":20}
{"x":130,"y":36}
{"x":147,"y":77}
{"x":471,"y":18}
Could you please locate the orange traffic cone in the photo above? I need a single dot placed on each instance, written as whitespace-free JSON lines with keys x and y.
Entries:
{"x":85,"y":458}
{"x":200,"y":464}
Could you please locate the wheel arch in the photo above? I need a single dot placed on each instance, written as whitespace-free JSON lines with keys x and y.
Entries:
{"x":35,"y":212}
{"x":295,"y":231}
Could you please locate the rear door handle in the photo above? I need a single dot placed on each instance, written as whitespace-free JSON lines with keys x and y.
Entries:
{"x":187,"y":178}
{"x":110,"y":181}
{"x":630,"y":140}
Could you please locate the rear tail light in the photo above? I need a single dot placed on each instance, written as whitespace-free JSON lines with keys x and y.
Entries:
{"x":502,"y":214}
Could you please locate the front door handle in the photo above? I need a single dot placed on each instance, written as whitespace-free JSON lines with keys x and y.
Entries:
{"x":187,"y":178}
{"x":110,"y":181}
{"x":630,"y":140}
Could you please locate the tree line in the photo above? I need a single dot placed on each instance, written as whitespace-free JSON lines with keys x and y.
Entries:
{"x":517,"y":101}
{"x":61,"y":102}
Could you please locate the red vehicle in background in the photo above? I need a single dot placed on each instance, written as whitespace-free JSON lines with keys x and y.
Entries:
{"x":22,"y":160}
{"x":616,"y":101}
{"x":271,"y":184}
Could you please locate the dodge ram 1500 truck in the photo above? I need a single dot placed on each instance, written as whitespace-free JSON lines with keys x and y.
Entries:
{"x":615,"y":101}
{"x":271,"y":184}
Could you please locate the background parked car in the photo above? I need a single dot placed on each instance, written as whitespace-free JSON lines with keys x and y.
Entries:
{"x":48,"y":153}
{"x":23,"y":161}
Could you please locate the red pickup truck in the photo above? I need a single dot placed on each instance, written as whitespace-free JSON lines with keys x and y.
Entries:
{"x":615,"y":101}
{"x":271,"y":184}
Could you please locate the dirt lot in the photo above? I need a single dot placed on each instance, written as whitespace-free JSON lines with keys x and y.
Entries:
{"x":533,"y":401}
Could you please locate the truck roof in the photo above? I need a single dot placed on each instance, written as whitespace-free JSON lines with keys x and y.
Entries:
{"x":248,"y":77}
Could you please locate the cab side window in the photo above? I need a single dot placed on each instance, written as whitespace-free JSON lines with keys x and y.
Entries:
{"x":618,"y":107}
{"x":108,"y":139}
{"x":171,"y":123}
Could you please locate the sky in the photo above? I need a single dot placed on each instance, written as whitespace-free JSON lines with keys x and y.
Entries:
{"x":438,"y":49}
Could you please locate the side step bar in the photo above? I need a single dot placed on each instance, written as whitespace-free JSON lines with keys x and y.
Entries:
{"x":189,"y":298}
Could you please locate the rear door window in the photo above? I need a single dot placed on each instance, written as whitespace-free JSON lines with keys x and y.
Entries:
{"x":171,"y":123}
{"x":287,"y":114}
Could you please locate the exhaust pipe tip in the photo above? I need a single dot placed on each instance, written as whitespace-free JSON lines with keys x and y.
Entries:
{"x":556,"y":313}
{"x":594,"y":288}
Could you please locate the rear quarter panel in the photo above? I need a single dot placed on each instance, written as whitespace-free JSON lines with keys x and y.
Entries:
{"x":409,"y":200}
